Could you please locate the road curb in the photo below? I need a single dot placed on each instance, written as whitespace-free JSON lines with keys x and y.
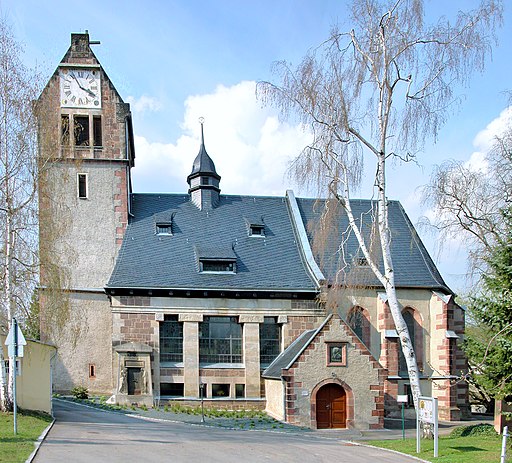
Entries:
{"x":390,"y":451}
{"x":39,"y":441}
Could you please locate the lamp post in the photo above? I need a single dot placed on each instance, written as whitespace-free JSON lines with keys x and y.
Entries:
{"x":202,"y":388}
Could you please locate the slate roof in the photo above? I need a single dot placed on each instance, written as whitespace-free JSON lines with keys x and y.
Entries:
{"x":272,"y":262}
{"x":414,"y":268}
{"x":269,"y":263}
{"x":285,"y":358}
{"x":203,"y":164}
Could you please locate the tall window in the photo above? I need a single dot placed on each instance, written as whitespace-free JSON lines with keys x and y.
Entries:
{"x":270,"y":340}
{"x":220,"y":340}
{"x":64,"y":129}
{"x":96,"y":130}
{"x":82,"y":189}
{"x":171,"y":340}
{"x":360,"y":324}
{"x":411,"y":327}
{"x":81,"y":130}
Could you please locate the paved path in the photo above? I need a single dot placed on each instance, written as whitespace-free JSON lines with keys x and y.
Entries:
{"x":83,"y":434}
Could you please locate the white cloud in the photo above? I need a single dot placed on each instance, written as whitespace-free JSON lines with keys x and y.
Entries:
{"x":250,"y":147}
{"x":485,"y":140}
{"x":144,"y":103}
{"x":451,"y":252}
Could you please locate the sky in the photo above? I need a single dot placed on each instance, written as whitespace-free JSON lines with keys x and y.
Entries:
{"x":178,"y":60}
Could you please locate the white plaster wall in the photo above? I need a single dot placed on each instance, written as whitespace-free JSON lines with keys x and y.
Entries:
{"x":86,"y":244}
{"x":274,"y":392}
{"x":85,"y":338}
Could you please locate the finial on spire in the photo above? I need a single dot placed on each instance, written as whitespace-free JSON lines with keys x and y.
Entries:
{"x":201,"y":121}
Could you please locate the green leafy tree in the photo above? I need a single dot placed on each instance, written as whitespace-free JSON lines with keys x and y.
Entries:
{"x":489,"y":344}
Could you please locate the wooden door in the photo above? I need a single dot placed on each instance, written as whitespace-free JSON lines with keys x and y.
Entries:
{"x":331,"y":407}
{"x":134,"y":381}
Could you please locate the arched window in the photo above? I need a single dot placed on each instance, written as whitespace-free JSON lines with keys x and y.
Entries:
{"x":359,"y":320}
{"x":412,"y":320}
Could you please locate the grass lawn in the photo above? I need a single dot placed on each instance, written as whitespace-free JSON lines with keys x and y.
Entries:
{"x":470,"y":449}
{"x":17,"y":448}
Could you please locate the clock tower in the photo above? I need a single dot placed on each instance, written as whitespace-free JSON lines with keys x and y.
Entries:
{"x":86,"y":153}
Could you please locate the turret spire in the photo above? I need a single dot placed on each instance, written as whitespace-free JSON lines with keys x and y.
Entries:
{"x":204,"y":180}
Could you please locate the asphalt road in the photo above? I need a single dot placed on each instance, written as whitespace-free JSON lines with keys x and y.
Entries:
{"x":82,"y":434}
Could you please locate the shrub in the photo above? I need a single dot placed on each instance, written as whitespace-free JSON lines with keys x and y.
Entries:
{"x":480,"y":429}
{"x":80,"y":392}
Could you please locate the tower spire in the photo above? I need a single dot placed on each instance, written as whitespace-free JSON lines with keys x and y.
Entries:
{"x":204,"y":180}
{"x":201,"y":121}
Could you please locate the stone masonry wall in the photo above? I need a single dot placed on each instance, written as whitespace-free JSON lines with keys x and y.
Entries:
{"x":362,"y":379}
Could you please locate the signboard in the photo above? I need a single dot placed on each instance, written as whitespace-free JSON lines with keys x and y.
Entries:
{"x":427,"y":413}
{"x":14,"y":342}
{"x":426,"y":409}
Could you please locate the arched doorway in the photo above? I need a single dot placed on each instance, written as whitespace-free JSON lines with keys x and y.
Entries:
{"x":331,"y":407}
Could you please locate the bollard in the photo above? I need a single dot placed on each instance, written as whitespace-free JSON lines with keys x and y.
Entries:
{"x":504,"y":445}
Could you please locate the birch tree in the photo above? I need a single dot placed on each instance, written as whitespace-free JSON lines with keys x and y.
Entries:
{"x":18,"y":190}
{"x":377,"y":92}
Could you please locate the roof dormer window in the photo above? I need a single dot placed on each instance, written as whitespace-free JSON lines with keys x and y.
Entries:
{"x":164,"y":229}
{"x":217,"y":266}
{"x":255,"y":226}
{"x":216,"y":259}
{"x":256,"y":230}
{"x":163,"y":223}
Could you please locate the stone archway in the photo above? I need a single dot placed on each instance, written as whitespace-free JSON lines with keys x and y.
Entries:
{"x":332,"y":405}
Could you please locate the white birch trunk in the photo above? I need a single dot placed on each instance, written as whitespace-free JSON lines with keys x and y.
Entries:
{"x":389,"y":282}
{"x":6,"y":386}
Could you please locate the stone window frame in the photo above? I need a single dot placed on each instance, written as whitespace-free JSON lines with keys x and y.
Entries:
{"x":208,"y":343}
{"x":343,"y":347}
{"x":366,"y":324}
{"x":82,"y":178}
{"x":221,"y":390}
{"x":274,"y":322}
{"x":239,"y":391}
{"x":417,"y":341}
{"x":175,"y":339}
{"x":81,"y":130}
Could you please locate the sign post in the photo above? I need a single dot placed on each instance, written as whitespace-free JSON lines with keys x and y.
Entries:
{"x":402,"y":399}
{"x":427,"y":413}
{"x":15,"y":342}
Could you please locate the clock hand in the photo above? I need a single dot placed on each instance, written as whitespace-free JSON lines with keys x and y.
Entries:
{"x":90,"y":92}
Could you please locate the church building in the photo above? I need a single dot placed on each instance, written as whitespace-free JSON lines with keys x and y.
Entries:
{"x":171,"y":296}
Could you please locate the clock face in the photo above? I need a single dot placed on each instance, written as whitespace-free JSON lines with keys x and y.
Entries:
{"x":80,"y":88}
